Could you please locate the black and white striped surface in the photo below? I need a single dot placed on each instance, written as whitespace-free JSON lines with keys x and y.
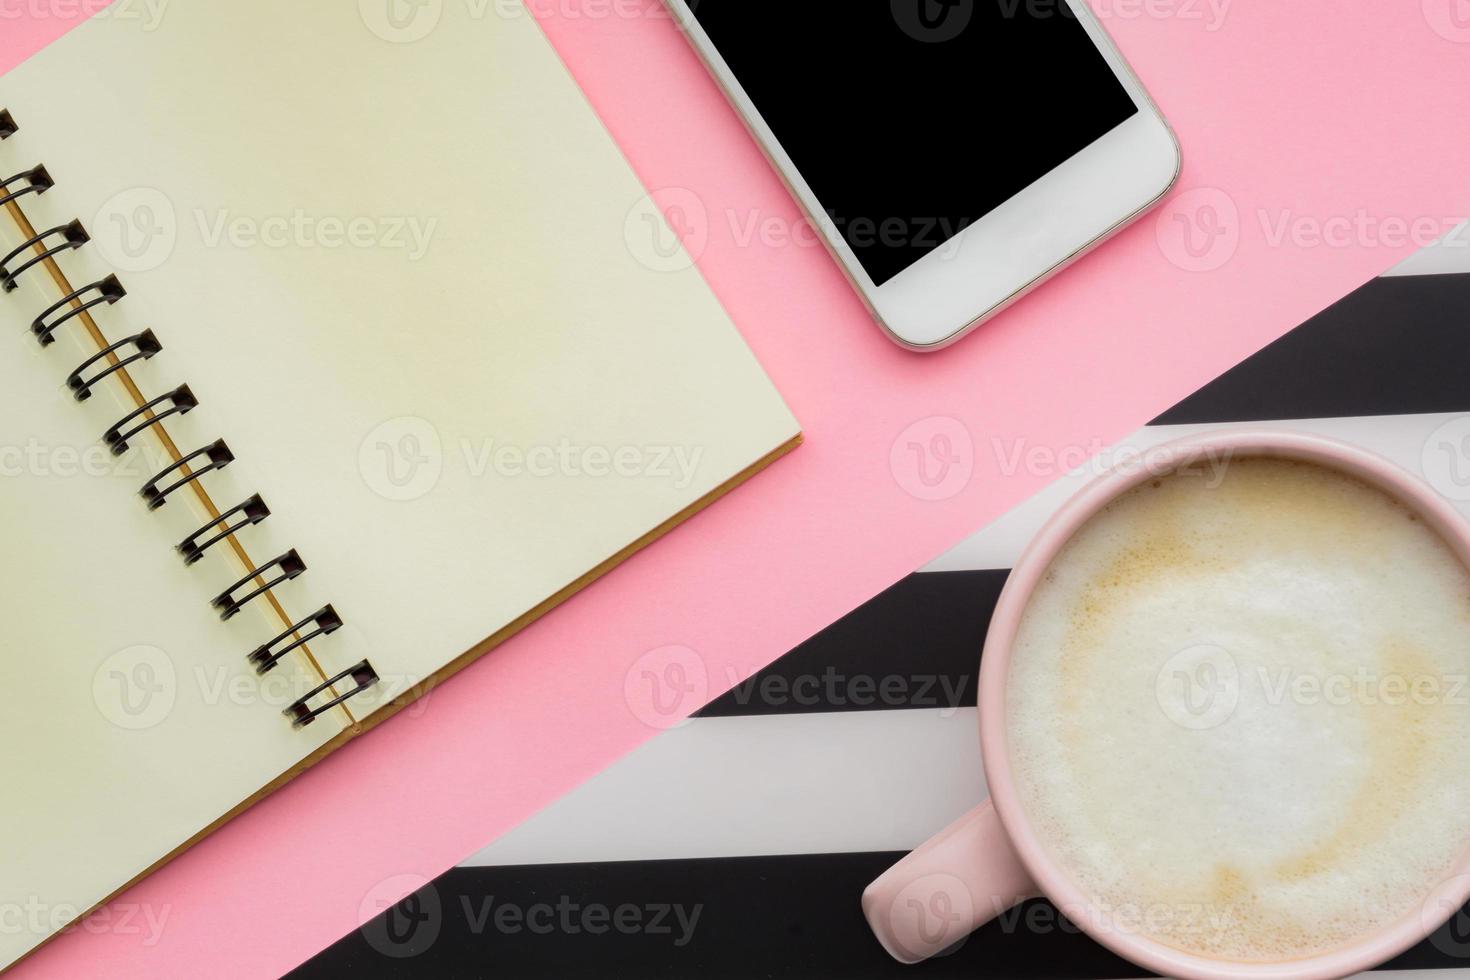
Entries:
{"x":737,"y":845}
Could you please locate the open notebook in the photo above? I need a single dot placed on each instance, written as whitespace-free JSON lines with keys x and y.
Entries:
{"x":416,"y":365}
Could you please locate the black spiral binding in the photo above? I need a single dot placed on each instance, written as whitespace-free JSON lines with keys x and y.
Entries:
{"x":302,"y":714}
{"x":108,"y":291}
{"x":144,"y":345}
{"x":71,"y":236}
{"x":38,"y":181}
{"x":46,"y":246}
{"x":250,"y":513}
{"x":180,"y":401}
{"x":283,"y":567}
{"x":217,"y":456}
{"x":323,"y":621}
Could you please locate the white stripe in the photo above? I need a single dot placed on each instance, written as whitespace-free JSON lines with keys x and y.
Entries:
{"x":764,"y":785}
{"x":1450,"y":254}
{"x":1409,"y":440}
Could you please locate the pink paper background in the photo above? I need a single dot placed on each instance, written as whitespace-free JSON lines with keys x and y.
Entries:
{"x":1304,"y":108}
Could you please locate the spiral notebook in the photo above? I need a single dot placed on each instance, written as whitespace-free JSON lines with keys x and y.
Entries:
{"x":365,"y":351}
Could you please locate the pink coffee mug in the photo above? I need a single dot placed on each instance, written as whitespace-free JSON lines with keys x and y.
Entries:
{"x":990,"y":859}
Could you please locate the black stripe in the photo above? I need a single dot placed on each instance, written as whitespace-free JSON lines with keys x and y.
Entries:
{"x":916,"y":645}
{"x":1397,"y":346}
{"x":776,"y":917}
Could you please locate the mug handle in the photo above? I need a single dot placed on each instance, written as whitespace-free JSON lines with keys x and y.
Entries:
{"x":960,"y":879}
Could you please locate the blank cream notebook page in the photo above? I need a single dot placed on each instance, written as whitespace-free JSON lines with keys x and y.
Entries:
{"x":414,"y":287}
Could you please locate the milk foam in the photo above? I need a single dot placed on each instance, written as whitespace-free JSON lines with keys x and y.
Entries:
{"x":1238,"y":712}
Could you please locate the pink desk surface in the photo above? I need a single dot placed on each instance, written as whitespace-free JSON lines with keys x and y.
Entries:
{"x":1322,"y":143}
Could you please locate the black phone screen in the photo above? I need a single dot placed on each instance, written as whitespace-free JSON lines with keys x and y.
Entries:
{"x":912,"y":119}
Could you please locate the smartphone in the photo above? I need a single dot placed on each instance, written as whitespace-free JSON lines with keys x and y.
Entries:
{"x":952,"y":154}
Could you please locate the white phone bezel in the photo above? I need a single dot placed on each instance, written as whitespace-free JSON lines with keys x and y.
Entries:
{"x":1015,"y":247}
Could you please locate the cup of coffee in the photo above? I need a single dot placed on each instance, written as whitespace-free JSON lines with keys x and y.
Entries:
{"x":1223,"y":706}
